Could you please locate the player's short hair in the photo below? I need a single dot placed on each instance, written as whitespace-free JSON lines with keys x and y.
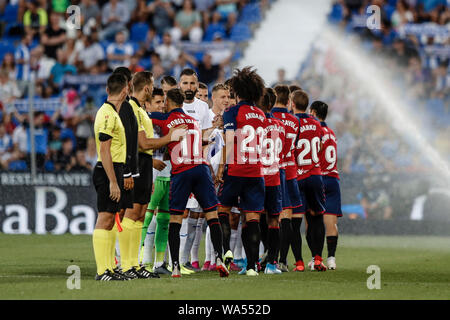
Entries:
{"x":300,"y":100}
{"x":268,"y":99}
{"x":294,"y":87}
{"x":201,"y":85}
{"x":115,"y":83}
{"x":124,"y":71}
{"x":219,"y":86}
{"x":321,"y":109}
{"x":169,"y":80}
{"x":228,"y":84}
{"x":157,"y":92}
{"x":188,"y":72}
{"x":282,"y":94}
{"x":247,"y":84}
{"x":141,"y":79}
{"x":176,"y":95}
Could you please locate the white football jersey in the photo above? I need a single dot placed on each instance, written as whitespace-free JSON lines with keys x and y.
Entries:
{"x":199,"y":110}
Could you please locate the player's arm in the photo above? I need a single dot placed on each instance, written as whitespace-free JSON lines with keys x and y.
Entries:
{"x":175,"y":134}
{"x":105,"y":154}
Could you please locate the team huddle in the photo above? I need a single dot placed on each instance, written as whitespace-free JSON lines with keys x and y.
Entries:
{"x":253,"y":165}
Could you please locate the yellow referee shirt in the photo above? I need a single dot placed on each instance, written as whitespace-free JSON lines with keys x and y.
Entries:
{"x":144,"y":122}
{"x":107,"y":121}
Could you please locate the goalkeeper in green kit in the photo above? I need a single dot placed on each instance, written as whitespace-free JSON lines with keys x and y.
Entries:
{"x":159,"y":201}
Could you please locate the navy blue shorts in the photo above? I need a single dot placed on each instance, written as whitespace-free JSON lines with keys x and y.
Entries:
{"x":295,"y":198}
{"x":273,"y":200}
{"x":313,"y":193}
{"x":332,"y":196}
{"x":196,"y":180}
{"x":247,"y":191}
{"x":285,"y":201}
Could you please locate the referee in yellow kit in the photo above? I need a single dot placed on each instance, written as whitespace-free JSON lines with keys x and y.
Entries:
{"x":108,"y":174}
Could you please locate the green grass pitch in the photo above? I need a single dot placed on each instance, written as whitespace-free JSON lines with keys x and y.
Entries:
{"x":34,"y":267}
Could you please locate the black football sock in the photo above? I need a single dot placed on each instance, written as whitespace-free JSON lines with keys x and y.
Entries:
{"x":296,"y":242}
{"x":245,"y":241}
{"x":318,"y":234}
{"x":226,"y":230}
{"x":254,"y":237}
{"x":174,"y":242}
{"x":273,"y":242}
{"x":331,"y":245}
{"x":309,"y":233}
{"x":216,"y":237}
{"x":264,"y":231}
{"x":285,"y":238}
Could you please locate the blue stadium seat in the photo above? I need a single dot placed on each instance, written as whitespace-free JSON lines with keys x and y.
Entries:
{"x":145,"y":63}
{"x":139,"y":32}
{"x":10,"y":13}
{"x":199,"y":55}
{"x":211,"y":31}
{"x":240,"y":32}
{"x":336,"y":13}
{"x":49,"y":166}
{"x":18,"y":165}
{"x":251,"y":13}
{"x":5,"y":47}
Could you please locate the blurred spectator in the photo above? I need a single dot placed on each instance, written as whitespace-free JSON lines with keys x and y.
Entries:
{"x":161,"y":15}
{"x":187,"y":24}
{"x":91,"y":54}
{"x":78,"y":162}
{"x":54,"y":36}
{"x":167,"y":52}
{"x":221,"y":54}
{"x":134,"y":64}
{"x":281,"y":75}
{"x":55,"y":143}
{"x":402,"y":14}
{"x":91,"y":152}
{"x":115,"y":16}
{"x":6,"y":147}
{"x":22,"y":60}
{"x":157,"y":67}
{"x":9,"y":65}
{"x":119,"y":52}
{"x":62,"y":161}
{"x":208,"y":72}
{"x":40,"y":62}
{"x":89,"y":11}
{"x":35,"y":19}
{"x":60,"y":68}
{"x":8,"y":88}
{"x":184,"y":61}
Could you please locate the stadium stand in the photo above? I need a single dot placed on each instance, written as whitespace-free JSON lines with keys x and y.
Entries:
{"x":70,"y":85}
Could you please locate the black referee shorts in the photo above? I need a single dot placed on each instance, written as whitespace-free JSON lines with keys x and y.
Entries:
{"x":127,"y":198}
{"x":101,"y":184}
{"x":143,"y":183}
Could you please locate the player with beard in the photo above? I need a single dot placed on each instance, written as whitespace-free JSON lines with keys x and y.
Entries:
{"x":190,"y":174}
{"x":200,"y":111}
{"x":291,"y":217}
{"x":309,"y":176}
{"x":244,"y":179}
{"x":330,"y":176}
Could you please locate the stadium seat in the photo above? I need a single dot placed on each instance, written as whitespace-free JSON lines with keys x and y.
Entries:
{"x":18,"y":165}
{"x":49,"y":166}
{"x":10,"y":13}
{"x":211,"y":31}
{"x":251,"y":13}
{"x":240,"y":32}
{"x":6,"y":47}
{"x":139,"y":32}
{"x":199,"y":55}
{"x":336,"y":13}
